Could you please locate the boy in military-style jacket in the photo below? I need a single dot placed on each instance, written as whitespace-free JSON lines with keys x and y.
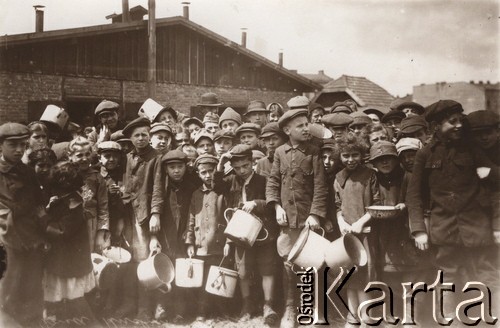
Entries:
{"x":246,"y":190}
{"x":22,"y":225}
{"x":136,"y":183}
{"x":173,"y":187}
{"x":448,"y":172}
{"x":297,"y":190}
{"x":205,"y":231}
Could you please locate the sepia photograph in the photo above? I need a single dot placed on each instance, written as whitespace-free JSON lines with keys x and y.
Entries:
{"x":249,"y":163}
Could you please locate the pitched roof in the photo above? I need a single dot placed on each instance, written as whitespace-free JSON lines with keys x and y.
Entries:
{"x":320,"y":77}
{"x":362,"y":90}
{"x":27,"y":38}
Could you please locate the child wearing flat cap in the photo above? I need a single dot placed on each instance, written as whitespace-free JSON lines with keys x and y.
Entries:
{"x":297,"y":190}
{"x":246,"y":190}
{"x":174,"y":185}
{"x":136,"y":197}
{"x":23,"y":221}
{"x":272,"y":137}
{"x":398,"y":260}
{"x":205,"y":232}
{"x":449,"y":172}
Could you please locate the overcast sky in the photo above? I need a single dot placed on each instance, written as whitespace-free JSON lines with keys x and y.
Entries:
{"x":397,"y":44}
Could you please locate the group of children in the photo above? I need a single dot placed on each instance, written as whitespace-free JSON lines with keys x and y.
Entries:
{"x":162,"y":182}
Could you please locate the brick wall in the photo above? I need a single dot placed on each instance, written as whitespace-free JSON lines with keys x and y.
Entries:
{"x":16,"y":89}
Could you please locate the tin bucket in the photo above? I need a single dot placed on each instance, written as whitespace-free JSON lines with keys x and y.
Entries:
{"x":117,"y":254}
{"x":309,"y":249}
{"x":105,"y":271}
{"x":346,"y":251}
{"x":221,"y":281}
{"x":150,"y":109}
{"x":243,"y":228}
{"x":189,"y":273}
{"x":156,"y":272}
{"x":55,"y":114}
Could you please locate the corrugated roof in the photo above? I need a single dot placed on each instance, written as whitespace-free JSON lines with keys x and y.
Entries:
{"x":368,"y":92}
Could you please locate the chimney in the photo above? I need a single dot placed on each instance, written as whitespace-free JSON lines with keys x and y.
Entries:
{"x":244,"y":37}
{"x":321,"y":72}
{"x":185,"y":10}
{"x":280,"y":58}
{"x":39,"y":18}
{"x":125,"y":12}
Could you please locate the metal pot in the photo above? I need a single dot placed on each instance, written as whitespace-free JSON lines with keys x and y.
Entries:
{"x":189,"y":273}
{"x":55,"y":114}
{"x":243,"y":228}
{"x":156,"y":272}
{"x":309,"y":249}
{"x":346,"y":252}
{"x":105,"y":271}
{"x":382,"y":211}
{"x":150,"y":109}
{"x":117,"y":254}
{"x":221,"y":281}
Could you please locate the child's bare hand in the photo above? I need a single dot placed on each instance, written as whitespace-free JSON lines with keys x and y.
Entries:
{"x":249,"y":206}
{"x":357,"y":227}
{"x":154,"y":223}
{"x":154,"y":245}
{"x":223,"y":160}
{"x":422,"y":240}
{"x":190,"y":250}
{"x":343,"y":226}
{"x":52,"y":200}
{"x":281,"y":216}
{"x":114,"y":189}
{"x":100,"y":241}
{"x":313,"y":222}
{"x":227,"y":248}
{"x":103,"y":133}
{"x":400,"y":206}
{"x":328,"y":226}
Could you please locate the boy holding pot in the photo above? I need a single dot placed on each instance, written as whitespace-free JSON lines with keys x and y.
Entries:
{"x":448,"y":172}
{"x":296,"y":189}
{"x":205,"y":229}
{"x":246,"y":190}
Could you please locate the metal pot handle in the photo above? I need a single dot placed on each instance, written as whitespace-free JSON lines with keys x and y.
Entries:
{"x":262,"y":239}
{"x":190,"y":269}
{"x":166,"y":288}
{"x":225,"y":213}
{"x":320,"y":228}
{"x":154,"y":252}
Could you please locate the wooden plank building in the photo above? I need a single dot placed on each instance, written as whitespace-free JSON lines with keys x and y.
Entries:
{"x":77,"y":68}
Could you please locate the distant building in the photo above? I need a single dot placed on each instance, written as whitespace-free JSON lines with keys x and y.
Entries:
{"x":78,"y":67}
{"x":363,"y":91}
{"x":472,"y":96}
{"x":320,"y":78}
